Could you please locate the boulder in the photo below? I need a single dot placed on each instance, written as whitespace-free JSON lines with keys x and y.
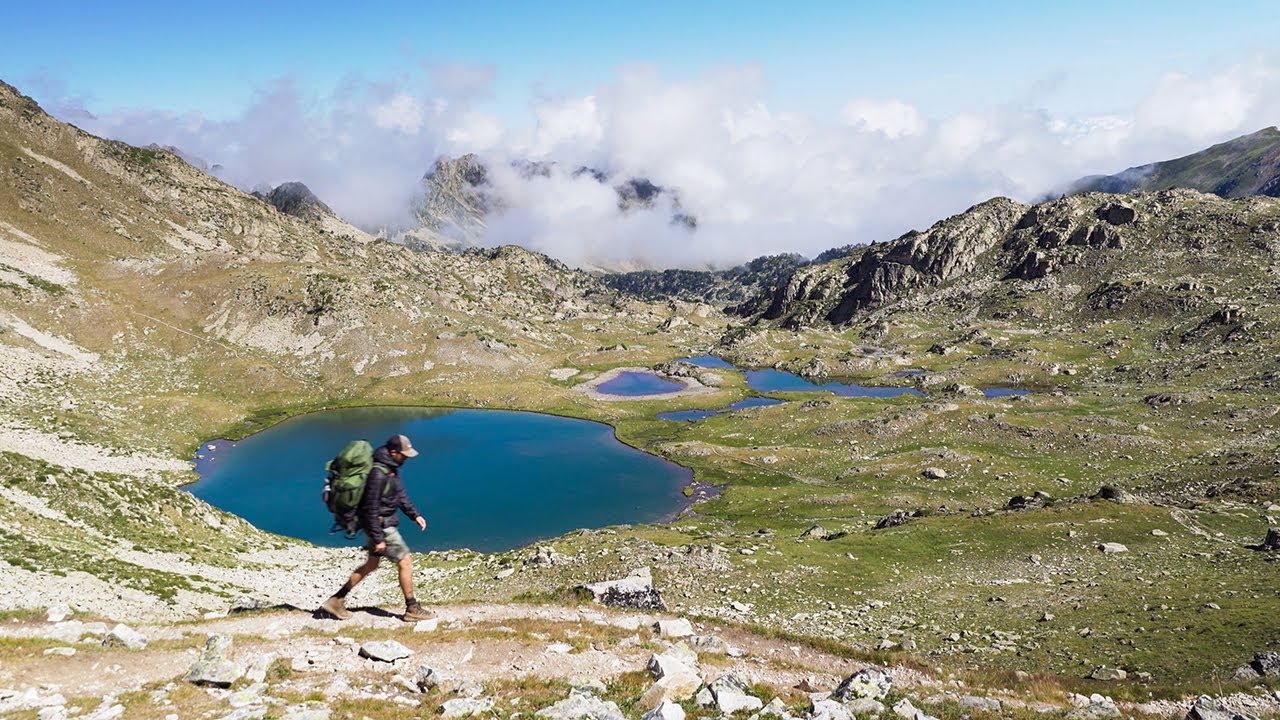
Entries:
{"x":1095,"y":707}
{"x":1117,"y":214}
{"x":676,"y":676}
{"x":1113,"y":548}
{"x":975,"y":702}
{"x":635,"y":591}
{"x":817,"y":531}
{"x":829,"y":710}
{"x":872,"y":682}
{"x":666,"y":711}
{"x":1272,"y":541}
{"x":465,"y":707}
{"x":710,"y":644}
{"x":387,"y":651}
{"x":677,"y":628}
{"x":730,"y":694}
{"x":582,"y":705}
{"x":1103,"y":672}
{"x":1206,"y":708}
{"x":934,"y":473}
{"x":214,"y":667}
{"x":124,"y":636}
{"x":1266,"y":664}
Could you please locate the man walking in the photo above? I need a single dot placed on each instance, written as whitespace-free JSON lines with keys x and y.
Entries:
{"x":383,"y":495}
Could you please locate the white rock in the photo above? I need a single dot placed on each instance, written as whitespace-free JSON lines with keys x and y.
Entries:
{"x":1113,"y":548}
{"x":666,"y":711}
{"x":385,"y":651}
{"x":464,"y":707}
{"x":504,"y":573}
{"x":560,"y":648}
{"x":426,"y":625}
{"x":677,"y":628}
{"x":124,"y":636}
{"x":58,"y":613}
{"x":830,"y":710}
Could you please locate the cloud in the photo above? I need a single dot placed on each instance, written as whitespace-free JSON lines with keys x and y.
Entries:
{"x":759,"y":178}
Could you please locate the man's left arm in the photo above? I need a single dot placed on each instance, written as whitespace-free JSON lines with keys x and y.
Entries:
{"x":410,"y":510}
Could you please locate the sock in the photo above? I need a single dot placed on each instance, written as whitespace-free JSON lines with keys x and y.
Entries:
{"x":342,"y":592}
{"x":410,"y":601}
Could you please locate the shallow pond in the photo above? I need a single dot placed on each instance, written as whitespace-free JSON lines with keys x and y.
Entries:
{"x":694,"y":415}
{"x":779,"y":381}
{"x":489,"y":480}
{"x":638,"y":384}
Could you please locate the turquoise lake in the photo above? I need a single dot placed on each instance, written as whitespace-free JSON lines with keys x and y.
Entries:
{"x":489,"y":480}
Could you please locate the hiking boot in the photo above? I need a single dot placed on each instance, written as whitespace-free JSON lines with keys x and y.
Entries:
{"x":417,"y":613}
{"x":336,"y":607}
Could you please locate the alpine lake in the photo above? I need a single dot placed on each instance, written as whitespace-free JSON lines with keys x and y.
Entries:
{"x":489,"y":480}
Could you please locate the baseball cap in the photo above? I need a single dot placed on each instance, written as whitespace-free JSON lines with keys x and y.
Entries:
{"x":401,"y":444}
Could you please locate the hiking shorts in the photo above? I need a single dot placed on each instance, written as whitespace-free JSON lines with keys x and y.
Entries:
{"x":396,"y":548}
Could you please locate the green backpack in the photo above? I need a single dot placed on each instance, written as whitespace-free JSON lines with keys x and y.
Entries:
{"x":345,"y":480}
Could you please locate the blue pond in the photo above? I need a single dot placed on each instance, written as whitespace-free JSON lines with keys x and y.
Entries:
{"x":636,"y":384}
{"x":778,"y":381}
{"x":709,"y":361}
{"x":995,"y":392}
{"x":488,"y":480}
{"x":695,"y":415}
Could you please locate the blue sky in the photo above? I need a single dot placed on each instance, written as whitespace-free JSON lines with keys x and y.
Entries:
{"x":1078,"y":56}
{"x":784,"y":126}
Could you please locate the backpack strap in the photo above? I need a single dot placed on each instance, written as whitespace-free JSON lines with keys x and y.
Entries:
{"x":385,"y":471}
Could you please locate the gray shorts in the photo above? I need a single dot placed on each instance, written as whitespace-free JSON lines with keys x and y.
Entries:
{"x":396,"y":548}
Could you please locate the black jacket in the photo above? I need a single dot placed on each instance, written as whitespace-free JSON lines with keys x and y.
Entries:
{"x":383,"y":495}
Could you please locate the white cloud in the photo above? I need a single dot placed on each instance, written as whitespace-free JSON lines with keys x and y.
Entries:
{"x":893,"y":118}
{"x":759,"y":178}
{"x":402,"y":112}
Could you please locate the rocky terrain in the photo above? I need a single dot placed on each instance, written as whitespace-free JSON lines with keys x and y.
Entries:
{"x":1104,"y":534}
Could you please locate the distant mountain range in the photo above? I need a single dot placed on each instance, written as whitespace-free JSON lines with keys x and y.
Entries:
{"x":1247,"y":165}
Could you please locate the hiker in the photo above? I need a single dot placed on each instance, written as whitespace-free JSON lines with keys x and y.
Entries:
{"x":383,"y":495}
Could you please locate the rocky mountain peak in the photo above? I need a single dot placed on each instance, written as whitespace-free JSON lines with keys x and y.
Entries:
{"x":296,"y":199}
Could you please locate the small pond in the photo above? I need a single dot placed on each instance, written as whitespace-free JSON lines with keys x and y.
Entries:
{"x":996,"y":392}
{"x":490,"y":480}
{"x":638,"y":384}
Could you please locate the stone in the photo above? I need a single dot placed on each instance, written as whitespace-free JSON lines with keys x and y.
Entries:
{"x":214,"y":667}
{"x":1272,"y":541}
{"x":871,"y":682}
{"x":582,"y":705}
{"x":1103,"y":672}
{"x":731,"y":695}
{"x":704,"y":698}
{"x":864,"y":706}
{"x":560,"y":648}
{"x":57,"y":613}
{"x":387,"y":651}
{"x":1206,"y":708}
{"x":124,"y":636}
{"x":829,"y":710}
{"x":710,"y":644}
{"x":775,"y":708}
{"x":1095,"y":707}
{"x":258,"y":670}
{"x":465,"y":707}
{"x":677,"y":628}
{"x":1113,"y":548}
{"x":817,"y":531}
{"x":545,"y":555}
{"x":61,"y":651}
{"x":905,"y":710}
{"x":245,"y":697}
{"x":426,"y":625}
{"x":666,"y":711}
{"x":1266,"y":664}
{"x":504,"y":573}
{"x":1159,"y":533}
{"x":934,"y":473}
{"x":635,"y":591}
{"x":55,"y":712}
{"x":677,"y":679}
{"x":427,"y":678}
{"x":975,"y":702}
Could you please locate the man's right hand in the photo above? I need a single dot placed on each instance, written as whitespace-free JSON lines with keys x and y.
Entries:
{"x":380,"y":548}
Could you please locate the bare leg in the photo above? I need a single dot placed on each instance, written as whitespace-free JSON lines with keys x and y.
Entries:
{"x":363,"y":571}
{"x":406,"y":576}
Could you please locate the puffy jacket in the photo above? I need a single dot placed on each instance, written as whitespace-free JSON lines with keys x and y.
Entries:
{"x":383,"y":495}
